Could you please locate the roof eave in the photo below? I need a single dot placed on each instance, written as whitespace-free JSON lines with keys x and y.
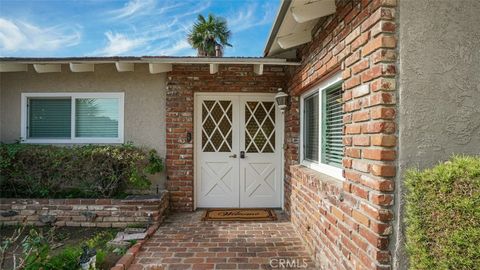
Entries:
{"x":150,"y":59}
{"x":284,"y":5}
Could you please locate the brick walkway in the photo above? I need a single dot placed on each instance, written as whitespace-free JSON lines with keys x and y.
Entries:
{"x":185,"y":242}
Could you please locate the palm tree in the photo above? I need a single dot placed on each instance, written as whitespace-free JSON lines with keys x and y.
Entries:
{"x":209,"y":34}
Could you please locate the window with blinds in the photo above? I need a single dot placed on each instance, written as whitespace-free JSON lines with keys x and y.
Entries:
{"x":76,"y":117}
{"x":310,"y":127}
{"x":322,"y":128}
{"x":332,"y":126}
{"x":49,"y":118}
{"x":96,"y":117}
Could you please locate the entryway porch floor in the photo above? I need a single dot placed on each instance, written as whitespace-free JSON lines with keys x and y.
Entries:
{"x":184,"y":241}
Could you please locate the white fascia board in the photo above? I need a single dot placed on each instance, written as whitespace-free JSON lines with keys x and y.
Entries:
{"x":156,"y":65}
{"x":219,"y":60}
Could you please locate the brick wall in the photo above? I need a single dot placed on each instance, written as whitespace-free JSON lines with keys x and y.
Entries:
{"x":183,"y":81}
{"x":84,"y":212}
{"x":347,"y":223}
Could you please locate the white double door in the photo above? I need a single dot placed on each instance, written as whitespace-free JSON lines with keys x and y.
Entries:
{"x":238,"y":142}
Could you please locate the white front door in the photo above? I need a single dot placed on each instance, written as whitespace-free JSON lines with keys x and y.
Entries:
{"x":238,"y":151}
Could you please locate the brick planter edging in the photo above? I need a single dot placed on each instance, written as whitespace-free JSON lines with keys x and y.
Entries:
{"x":85,"y":212}
{"x":127,"y":259}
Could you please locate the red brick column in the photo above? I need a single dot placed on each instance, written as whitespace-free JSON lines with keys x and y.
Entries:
{"x":291,"y":151}
{"x":183,"y":81}
{"x":347,"y":223}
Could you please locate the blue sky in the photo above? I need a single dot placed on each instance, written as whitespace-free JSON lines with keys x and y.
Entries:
{"x":60,"y":28}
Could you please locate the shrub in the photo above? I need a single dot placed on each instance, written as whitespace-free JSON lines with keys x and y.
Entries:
{"x":37,"y":251}
{"x":68,"y":258}
{"x":443,"y":215}
{"x":79,"y":171}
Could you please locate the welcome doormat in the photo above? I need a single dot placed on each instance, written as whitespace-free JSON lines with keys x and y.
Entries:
{"x":253,"y":214}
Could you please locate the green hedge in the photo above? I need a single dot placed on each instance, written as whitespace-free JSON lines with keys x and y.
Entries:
{"x":40,"y":171}
{"x":443,"y":215}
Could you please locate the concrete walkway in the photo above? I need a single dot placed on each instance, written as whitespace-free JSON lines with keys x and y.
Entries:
{"x":184,"y":241}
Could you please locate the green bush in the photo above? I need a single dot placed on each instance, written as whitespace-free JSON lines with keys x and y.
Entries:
{"x":443,"y":215}
{"x":37,"y":251}
{"x":81,"y":171}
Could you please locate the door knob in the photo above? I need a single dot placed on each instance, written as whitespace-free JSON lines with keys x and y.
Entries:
{"x":233,"y":156}
{"x":242,"y":154}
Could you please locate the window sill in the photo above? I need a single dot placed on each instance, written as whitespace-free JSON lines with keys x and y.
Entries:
{"x":325,"y":169}
{"x":317,"y":176}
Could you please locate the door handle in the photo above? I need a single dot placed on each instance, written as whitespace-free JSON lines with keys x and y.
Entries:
{"x":242,"y":154}
{"x":233,"y":156}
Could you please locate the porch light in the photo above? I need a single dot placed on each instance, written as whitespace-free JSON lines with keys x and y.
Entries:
{"x":281,"y":98}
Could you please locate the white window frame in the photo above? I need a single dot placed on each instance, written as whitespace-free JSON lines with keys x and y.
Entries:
{"x":74,"y":95}
{"x":320,"y":167}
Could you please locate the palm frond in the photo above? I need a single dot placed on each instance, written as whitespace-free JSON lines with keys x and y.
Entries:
{"x":207,"y":33}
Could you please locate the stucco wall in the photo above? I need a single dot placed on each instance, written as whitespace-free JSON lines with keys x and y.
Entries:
{"x":439,"y":86}
{"x":144,"y":100}
{"x":1,"y":107}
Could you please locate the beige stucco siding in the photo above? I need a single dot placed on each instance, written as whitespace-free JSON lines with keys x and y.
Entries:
{"x":144,"y":110}
{"x":438,"y":91}
{"x":1,"y":107}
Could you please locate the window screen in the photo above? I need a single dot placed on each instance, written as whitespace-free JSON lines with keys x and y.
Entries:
{"x":310,"y":128}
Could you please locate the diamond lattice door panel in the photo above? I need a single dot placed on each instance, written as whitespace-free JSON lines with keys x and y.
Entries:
{"x":226,"y":125}
{"x":259,"y":127}
{"x":217,"y":126}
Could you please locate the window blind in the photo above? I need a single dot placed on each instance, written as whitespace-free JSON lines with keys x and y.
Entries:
{"x":332,"y":126}
{"x":96,"y":117}
{"x":49,"y":117}
{"x":310,"y":128}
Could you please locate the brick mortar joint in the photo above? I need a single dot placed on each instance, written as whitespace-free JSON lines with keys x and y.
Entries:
{"x":367,"y":201}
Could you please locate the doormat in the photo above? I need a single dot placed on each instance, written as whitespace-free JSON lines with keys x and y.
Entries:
{"x":261,"y":214}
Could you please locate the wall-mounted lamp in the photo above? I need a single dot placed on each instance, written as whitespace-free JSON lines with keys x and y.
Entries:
{"x":282,"y":99}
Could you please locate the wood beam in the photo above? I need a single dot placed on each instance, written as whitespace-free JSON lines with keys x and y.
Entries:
{"x":124,"y":67}
{"x":159,"y":68}
{"x":292,"y":40}
{"x":75,"y":67}
{"x":258,"y":69}
{"x":46,"y":68}
{"x":13,"y":67}
{"x":213,"y":68}
{"x":313,"y":10}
